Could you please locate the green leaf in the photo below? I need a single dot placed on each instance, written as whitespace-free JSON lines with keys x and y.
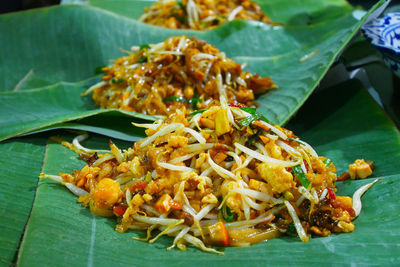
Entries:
{"x":61,"y":229}
{"x":113,"y":126}
{"x":30,"y":81}
{"x":20,"y":164}
{"x":30,"y":110}
{"x":72,"y":57}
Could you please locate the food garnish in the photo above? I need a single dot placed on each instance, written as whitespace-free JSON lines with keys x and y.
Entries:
{"x":179,"y":73}
{"x":198,"y":179}
{"x":201,"y":14}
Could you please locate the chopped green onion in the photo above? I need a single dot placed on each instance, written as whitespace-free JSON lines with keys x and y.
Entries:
{"x":327,"y":162}
{"x":181,"y":5}
{"x":144,"y":46}
{"x":254,"y":137}
{"x":226,"y":212}
{"x":194,"y":101}
{"x":175,"y":98}
{"x":298,"y":171}
{"x":99,"y":69}
{"x":197,"y":112}
{"x":249,"y":110}
{"x":254,"y":113}
{"x":117,"y":81}
{"x":248,"y":120}
{"x":142,"y":60}
{"x":179,"y":18}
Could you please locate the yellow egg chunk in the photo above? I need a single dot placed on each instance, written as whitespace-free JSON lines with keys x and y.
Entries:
{"x":106,"y":193}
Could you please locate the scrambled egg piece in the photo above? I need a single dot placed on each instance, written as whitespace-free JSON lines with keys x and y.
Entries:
{"x":276,"y":176}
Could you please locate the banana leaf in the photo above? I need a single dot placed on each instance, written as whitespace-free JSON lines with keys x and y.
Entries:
{"x":36,"y":109}
{"x":20,"y":163}
{"x":67,"y":50}
{"x":342,"y":123}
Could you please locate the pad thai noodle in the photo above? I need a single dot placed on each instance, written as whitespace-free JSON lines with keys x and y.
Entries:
{"x":222,"y":176}
{"x":201,"y":14}
{"x":178,"y":73}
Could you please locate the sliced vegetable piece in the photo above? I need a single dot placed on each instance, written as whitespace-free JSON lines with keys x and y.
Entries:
{"x":219,"y":234}
{"x":298,"y":171}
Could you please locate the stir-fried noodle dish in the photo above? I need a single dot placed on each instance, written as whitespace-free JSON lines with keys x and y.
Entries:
{"x":201,"y":14}
{"x":224,"y":176}
{"x":214,"y":171}
{"x":179,"y":73}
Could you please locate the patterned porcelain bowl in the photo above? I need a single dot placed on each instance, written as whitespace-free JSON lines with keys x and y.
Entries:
{"x":384,"y":34}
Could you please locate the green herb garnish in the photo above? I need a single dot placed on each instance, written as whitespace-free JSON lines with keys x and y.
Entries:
{"x":117,"y":81}
{"x":144,"y":46}
{"x":197,"y":112}
{"x":248,"y":120}
{"x":179,"y":18}
{"x":298,"y":171}
{"x":99,"y":69}
{"x":181,"y":5}
{"x":254,"y":116}
{"x":327,"y":162}
{"x":226,"y":212}
{"x":175,"y":98}
{"x":142,"y":60}
{"x":254,"y":137}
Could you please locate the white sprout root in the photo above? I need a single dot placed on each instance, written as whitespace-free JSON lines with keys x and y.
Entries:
{"x":357,"y":205}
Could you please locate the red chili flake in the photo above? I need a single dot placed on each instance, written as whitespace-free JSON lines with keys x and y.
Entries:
{"x":237,"y":105}
{"x":331,"y":194}
{"x":305,"y":164}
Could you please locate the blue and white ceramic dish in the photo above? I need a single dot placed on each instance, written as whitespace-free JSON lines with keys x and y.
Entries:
{"x":384,"y":34}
